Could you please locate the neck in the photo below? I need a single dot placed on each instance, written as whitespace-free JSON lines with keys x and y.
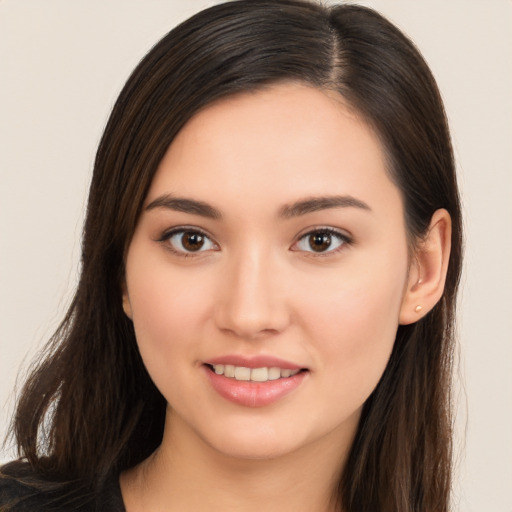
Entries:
{"x":186,"y":473}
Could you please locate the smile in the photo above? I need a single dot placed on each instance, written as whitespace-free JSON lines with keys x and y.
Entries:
{"x":256,"y":381}
{"x":264,"y":374}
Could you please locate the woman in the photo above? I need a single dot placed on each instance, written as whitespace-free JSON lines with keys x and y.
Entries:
{"x":269,"y":269}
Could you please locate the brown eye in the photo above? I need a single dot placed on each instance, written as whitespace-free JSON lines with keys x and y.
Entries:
{"x":183,"y":241}
{"x":319,"y":242}
{"x":192,"y":241}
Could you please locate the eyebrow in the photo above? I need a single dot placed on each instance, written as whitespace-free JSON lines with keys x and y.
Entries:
{"x":181,"y":204}
{"x":314,"y":204}
{"x":296,"y":209}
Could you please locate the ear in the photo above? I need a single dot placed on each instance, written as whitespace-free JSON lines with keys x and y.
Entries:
{"x":127,"y":307}
{"x":427,"y":273}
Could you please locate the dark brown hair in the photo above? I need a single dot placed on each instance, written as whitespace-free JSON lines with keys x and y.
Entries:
{"x":90,"y":409}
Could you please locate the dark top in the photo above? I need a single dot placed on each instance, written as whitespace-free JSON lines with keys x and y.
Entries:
{"x":21,"y":490}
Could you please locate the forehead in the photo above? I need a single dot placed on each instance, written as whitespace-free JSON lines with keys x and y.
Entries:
{"x":281,"y":142}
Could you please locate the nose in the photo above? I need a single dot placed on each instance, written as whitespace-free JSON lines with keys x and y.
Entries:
{"x":253,"y":301}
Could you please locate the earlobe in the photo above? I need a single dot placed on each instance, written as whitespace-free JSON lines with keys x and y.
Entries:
{"x":127,"y":307}
{"x":427,"y":275}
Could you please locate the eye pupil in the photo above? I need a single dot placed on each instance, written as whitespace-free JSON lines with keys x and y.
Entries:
{"x":320,"y":241}
{"x":192,"y":241}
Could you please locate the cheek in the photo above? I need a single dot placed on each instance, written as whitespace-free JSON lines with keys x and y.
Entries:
{"x":356,"y":329}
{"x":159,"y":308}
{"x":167,"y":312}
{"x":354,"y":322}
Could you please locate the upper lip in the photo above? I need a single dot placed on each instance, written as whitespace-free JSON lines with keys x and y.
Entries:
{"x":259,"y":361}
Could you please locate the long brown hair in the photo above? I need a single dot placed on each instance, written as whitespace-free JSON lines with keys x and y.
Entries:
{"x":89,"y":408}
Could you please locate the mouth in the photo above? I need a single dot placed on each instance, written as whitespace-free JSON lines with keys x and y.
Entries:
{"x":254,"y":385}
{"x":244,"y":374}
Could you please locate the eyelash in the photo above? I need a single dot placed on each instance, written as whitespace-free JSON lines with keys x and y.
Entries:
{"x":342,"y":238}
{"x":184,"y":229}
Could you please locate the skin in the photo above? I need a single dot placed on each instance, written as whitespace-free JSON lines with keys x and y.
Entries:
{"x":257,"y":287}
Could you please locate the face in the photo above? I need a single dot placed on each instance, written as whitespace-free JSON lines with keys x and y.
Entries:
{"x":271,"y":247}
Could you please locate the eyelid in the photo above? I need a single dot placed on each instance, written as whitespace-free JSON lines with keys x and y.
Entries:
{"x":342,"y":235}
{"x":346,"y":239}
{"x":167,"y":234}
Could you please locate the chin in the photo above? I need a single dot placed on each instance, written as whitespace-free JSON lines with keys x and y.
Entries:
{"x":261,"y":450}
{"x":251,"y":444}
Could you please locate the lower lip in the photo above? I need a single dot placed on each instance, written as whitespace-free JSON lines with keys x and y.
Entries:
{"x":253,"y":394}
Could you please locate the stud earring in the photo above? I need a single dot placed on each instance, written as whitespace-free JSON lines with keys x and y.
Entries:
{"x":418,"y":309}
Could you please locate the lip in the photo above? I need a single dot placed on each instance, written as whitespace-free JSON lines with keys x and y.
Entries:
{"x":253,"y":394}
{"x":259,"y":361}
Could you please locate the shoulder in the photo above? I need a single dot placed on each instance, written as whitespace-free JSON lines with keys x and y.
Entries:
{"x":23,"y":490}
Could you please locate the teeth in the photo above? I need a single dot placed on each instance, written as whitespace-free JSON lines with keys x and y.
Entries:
{"x":259,"y":374}
{"x":255,"y":374}
{"x":242,"y":373}
{"x":274,"y":373}
{"x":229,"y":370}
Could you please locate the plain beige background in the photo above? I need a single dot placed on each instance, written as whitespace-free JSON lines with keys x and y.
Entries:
{"x":62,"y":64}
